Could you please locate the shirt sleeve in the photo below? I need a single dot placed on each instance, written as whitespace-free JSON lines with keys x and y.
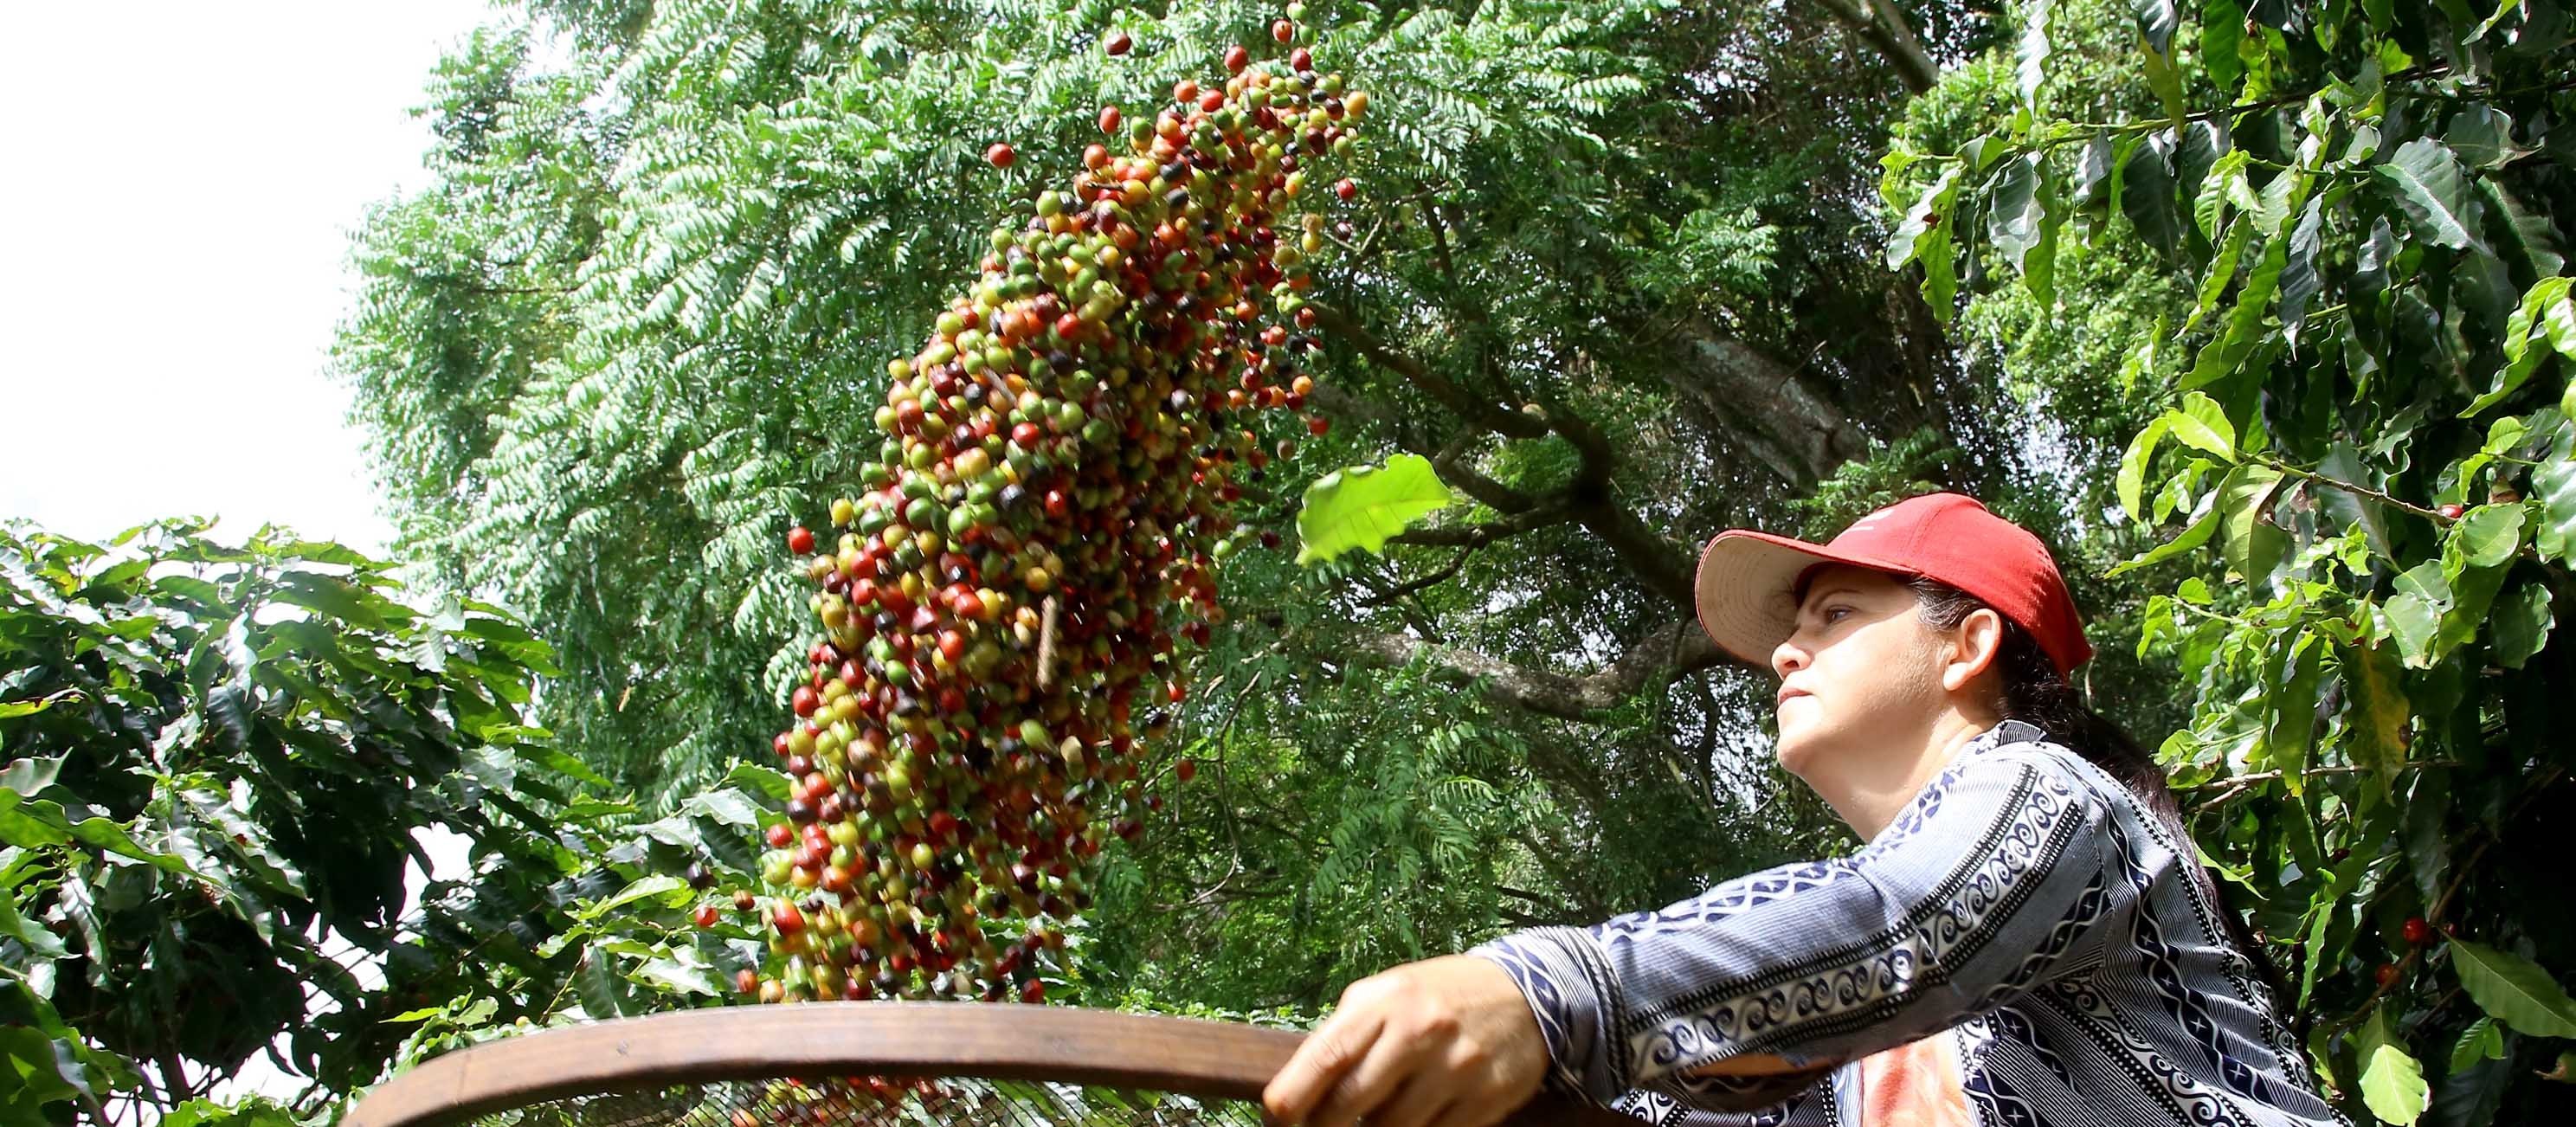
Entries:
{"x":1970,"y":896}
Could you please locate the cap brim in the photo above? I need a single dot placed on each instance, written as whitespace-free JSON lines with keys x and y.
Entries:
{"x":1747,"y":589}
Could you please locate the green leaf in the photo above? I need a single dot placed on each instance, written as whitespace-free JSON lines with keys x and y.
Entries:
{"x":2192,"y":536}
{"x":2554,"y":482}
{"x":2156,"y":22}
{"x":728,"y":806}
{"x":2379,"y":707}
{"x":2528,"y":232}
{"x":561,"y":762}
{"x":2226,"y":177}
{"x":2430,"y":188}
{"x":2482,"y":135}
{"x":1362,"y":506}
{"x":2413,"y":621}
{"x":1931,"y":211}
{"x":2201,"y":424}
{"x":659,"y":884}
{"x":2220,"y":358}
{"x":2222,"y":273}
{"x":2032,"y":55}
{"x":2147,"y":194}
{"x":2299,"y":280}
{"x":2489,"y":534}
{"x":2014,"y":215}
{"x":2254,"y":545}
{"x":2392,"y":1082}
{"x":29,"y":1076}
{"x":2515,"y":990}
{"x":2526,"y":326}
{"x":602,"y":995}
{"x":30,"y":775}
{"x":2343,"y":463}
{"x":2222,"y":33}
{"x":2482,"y":1040}
{"x":2133,"y":466}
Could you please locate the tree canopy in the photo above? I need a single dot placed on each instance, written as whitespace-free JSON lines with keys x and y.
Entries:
{"x":2257,"y":312}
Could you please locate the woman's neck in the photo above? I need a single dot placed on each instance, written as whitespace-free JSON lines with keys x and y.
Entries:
{"x":1869,"y":793}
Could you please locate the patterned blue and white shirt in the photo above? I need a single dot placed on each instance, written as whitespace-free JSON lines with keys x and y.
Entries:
{"x":2025,"y":919}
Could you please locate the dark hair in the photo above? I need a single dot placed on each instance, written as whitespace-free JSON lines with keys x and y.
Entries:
{"x":2036,"y":693}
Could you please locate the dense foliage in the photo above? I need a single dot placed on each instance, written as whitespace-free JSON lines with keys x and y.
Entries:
{"x":1610,"y":272}
{"x":2267,"y":299}
{"x":2357,"y":215}
{"x":218,"y":764}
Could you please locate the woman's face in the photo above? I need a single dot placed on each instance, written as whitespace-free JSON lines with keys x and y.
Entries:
{"x":1861,"y":670}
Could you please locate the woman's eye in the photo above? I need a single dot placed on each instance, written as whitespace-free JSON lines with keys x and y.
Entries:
{"x":1835,"y":614}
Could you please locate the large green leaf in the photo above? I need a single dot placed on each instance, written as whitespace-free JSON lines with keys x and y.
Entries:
{"x":2147,"y":194}
{"x":2254,"y":545}
{"x":2192,"y":536}
{"x":2030,"y":62}
{"x":2392,"y":1081}
{"x":2131,"y":480}
{"x":2515,"y":990}
{"x":660,"y":885}
{"x":2202,"y":424}
{"x":2490,"y":534}
{"x":1360,"y":507}
{"x":2522,"y":624}
{"x":2432,"y":190}
{"x":2157,"y":20}
{"x":2379,"y":707}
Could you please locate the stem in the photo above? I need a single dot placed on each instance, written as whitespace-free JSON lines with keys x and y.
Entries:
{"x":2355,"y":489}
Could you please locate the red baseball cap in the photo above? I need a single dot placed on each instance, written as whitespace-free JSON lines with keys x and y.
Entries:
{"x":1748,"y":581}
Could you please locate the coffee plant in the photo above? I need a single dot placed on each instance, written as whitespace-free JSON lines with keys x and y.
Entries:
{"x":214,"y":762}
{"x":2361,"y":472}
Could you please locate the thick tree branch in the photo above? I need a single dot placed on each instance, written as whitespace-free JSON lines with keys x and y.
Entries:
{"x":1885,"y":27}
{"x":1759,"y":403}
{"x":1679,"y":647}
{"x":1494,"y":417}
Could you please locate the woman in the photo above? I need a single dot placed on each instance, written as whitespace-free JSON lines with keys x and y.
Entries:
{"x":2026,"y":939}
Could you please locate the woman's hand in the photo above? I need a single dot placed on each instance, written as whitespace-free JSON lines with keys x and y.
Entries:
{"x":1447,"y":1042}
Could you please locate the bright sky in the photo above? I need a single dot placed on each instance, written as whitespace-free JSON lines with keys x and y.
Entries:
{"x":173,"y":249}
{"x":173,"y":258}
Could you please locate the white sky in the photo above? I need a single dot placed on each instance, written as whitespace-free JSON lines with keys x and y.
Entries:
{"x":174,"y":230}
{"x":173,"y":246}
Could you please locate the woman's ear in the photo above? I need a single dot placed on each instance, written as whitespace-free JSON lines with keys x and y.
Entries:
{"x":1973,"y":645}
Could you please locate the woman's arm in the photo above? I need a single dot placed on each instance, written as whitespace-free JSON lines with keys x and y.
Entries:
{"x":1988,"y":877}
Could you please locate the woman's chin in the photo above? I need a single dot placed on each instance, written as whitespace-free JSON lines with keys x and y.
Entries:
{"x":1793,"y":749}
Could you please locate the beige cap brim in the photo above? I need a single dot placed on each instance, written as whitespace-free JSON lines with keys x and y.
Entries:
{"x":1747,"y":589}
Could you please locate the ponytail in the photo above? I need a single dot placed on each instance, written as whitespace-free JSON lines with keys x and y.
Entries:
{"x":2035,"y":693}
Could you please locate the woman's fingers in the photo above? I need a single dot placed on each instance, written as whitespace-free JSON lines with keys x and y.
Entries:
{"x":1321,"y":1062}
{"x":1448,"y":1039}
{"x":1420,"y":1101}
{"x":1400,"y":1054}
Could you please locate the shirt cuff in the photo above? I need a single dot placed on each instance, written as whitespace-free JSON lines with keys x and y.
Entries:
{"x":1575,"y":997}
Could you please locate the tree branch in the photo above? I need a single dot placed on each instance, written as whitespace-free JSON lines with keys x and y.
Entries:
{"x":1494,"y":417}
{"x":1678,"y":647}
{"x":1879,"y":22}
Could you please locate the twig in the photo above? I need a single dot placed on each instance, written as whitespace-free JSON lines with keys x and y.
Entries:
{"x":1046,"y":645}
{"x":2353,"y":488}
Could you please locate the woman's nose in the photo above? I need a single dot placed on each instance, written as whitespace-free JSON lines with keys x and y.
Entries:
{"x":1787,"y":658}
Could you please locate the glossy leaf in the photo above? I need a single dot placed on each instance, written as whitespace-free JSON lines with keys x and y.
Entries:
{"x":2514,"y":990}
{"x":2392,"y":1081}
{"x":2426,"y":178}
{"x":1360,"y":507}
{"x":2482,"y":1040}
{"x":2201,"y":424}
